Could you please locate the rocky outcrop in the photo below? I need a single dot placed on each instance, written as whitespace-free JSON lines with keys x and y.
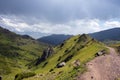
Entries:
{"x":100,"y":53}
{"x":61,"y":64}
{"x":0,"y":77}
{"x":83,"y":38}
{"x":46,"y":53}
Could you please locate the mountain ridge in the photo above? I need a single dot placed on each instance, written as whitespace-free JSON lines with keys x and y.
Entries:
{"x":69,"y":57}
{"x":109,"y":34}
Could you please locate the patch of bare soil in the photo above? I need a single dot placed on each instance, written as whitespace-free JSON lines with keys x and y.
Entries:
{"x":106,"y":67}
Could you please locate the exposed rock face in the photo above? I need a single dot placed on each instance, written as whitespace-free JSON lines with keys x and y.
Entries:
{"x":46,"y":53}
{"x":100,"y":53}
{"x":61,"y":64}
{"x":0,"y":78}
{"x":83,"y":38}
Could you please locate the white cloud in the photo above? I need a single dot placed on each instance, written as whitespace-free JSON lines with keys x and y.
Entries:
{"x":20,"y":27}
{"x":85,"y":26}
{"x":112,"y":24}
{"x":71,"y":27}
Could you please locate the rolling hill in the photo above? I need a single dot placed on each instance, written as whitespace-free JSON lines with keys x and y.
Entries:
{"x":110,"y":34}
{"x":72,"y":54}
{"x":16,"y":51}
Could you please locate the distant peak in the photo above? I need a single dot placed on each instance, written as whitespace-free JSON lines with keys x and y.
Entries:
{"x":85,"y":36}
{"x":27,"y":37}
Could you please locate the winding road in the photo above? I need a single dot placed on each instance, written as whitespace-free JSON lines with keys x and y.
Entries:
{"x":106,"y":67}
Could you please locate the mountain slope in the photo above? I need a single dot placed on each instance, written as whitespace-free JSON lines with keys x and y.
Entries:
{"x":110,"y":34}
{"x":54,"y":39}
{"x":77,"y":49}
{"x":16,"y":52}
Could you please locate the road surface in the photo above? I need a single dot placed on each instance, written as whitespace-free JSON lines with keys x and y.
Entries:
{"x":106,"y":67}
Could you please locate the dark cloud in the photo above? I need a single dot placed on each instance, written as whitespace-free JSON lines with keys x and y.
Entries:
{"x":61,"y":10}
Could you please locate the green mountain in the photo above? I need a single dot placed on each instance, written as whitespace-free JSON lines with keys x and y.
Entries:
{"x":110,"y":34}
{"x":54,"y":39}
{"x":22,"y":56}
{"x":16,"y":52}
{"x":67,"y":60}
{"x":104,"y":36}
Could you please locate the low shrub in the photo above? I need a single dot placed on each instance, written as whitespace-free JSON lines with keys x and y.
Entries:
{"x":62,"y":44}
{"x":68,"y":58}
{"x":59,"y":58}
{"x":45,"y":64}
{"x":66,"y":51}
{"x":23,"y":75}
{"x":51,"y":70}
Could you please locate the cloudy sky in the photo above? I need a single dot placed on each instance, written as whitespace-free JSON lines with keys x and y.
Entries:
{"x":43,"y":17}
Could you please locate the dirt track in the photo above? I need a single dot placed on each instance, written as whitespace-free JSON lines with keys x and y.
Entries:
{"x":103,"y":68}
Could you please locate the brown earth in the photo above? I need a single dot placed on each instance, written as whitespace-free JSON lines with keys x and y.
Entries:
{"x":106,"y":67}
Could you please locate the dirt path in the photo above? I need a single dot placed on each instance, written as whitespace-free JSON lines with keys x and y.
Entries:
{"x":103,"y":68}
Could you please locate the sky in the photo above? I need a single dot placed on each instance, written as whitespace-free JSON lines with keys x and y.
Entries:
{"x":39,"y":18}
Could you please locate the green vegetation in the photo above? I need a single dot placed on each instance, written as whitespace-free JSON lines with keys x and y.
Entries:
{"x":118,"y":79}
{"x":16,"y":52}
{"x":23,"y":75}
{"x":19,"y":55}
{"x":81,"y":47}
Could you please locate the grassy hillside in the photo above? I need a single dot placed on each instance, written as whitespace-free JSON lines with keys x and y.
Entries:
{"x":81,"y":48}
{"x":16,"y":52}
